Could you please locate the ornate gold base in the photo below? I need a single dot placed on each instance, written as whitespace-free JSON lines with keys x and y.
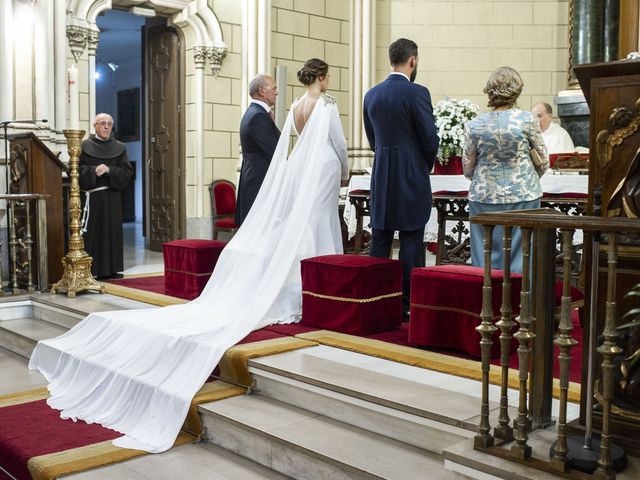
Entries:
{"x":77,"y":275}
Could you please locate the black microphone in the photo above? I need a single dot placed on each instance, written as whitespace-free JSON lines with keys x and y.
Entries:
{"x":7,"y":122}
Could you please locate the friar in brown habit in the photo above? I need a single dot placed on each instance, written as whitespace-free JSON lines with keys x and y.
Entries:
{"x":104,"y":171}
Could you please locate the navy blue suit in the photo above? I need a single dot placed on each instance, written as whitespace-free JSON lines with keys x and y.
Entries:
{"x":398,"y":119}
{"x":258,"y":138}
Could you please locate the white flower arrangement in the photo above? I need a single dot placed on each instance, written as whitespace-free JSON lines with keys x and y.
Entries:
{"x":451,"y":116}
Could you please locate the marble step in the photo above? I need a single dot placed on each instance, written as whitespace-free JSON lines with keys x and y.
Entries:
{"x":62,"y":317}
{"x":193,"y":461}
{"x":18,"y":307}
{"x":386,"y":397}
{"x":21,"y":335}
{"x":305,"y":445}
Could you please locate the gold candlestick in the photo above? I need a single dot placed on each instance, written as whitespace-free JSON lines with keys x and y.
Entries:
{"x":77,"y":263}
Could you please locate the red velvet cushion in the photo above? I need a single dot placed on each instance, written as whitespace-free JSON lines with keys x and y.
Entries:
{"x":446,"y":302}
{"x":360,"y":192}
{"x":188,"y":264}
{"x":224,"y":196}
{"x":226,"y":223}
{"x":368,"y":293}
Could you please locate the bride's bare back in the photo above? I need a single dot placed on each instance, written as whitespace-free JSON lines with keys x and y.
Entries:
{"x":302,"y":110}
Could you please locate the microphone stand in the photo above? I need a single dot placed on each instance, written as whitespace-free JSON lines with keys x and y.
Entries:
{"x":7,"y":156}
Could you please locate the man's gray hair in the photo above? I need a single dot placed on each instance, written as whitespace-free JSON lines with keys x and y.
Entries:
{"x":256,"y":82}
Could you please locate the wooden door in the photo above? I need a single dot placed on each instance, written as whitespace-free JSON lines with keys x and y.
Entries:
{"x":164,"y":136}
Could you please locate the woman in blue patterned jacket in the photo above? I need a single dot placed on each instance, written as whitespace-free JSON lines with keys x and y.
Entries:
{"x":498,"y":162}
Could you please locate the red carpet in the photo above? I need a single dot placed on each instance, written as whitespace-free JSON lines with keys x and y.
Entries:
{"x":32,"y":429}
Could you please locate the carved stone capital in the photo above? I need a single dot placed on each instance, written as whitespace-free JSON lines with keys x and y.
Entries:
{"x":215,"y":56}
{"x":92,"y":41}
{"x":199,"y":56}
{"x":77,"y":37}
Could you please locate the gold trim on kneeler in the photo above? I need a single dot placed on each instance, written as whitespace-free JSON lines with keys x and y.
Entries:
{"x":454,"y":310}
{"x":187,"y":273}
{"x":352,"y":300}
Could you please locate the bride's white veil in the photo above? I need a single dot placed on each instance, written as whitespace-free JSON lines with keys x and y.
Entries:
{"x":136,"y":371}
{"x":272,"y":234}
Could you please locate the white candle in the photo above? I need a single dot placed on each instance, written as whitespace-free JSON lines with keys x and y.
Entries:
{"x":74,"y":98}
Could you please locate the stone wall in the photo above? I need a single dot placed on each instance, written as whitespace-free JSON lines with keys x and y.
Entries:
{"x":303,"y":29}
{"x":461,"y":42}
{"x":222,"y":113}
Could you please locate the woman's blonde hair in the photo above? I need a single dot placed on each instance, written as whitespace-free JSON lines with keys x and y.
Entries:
{"x":503,"y":88}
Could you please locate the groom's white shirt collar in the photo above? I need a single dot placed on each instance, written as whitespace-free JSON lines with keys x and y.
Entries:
{"x":399,"y":73}
{"x":262,"y":104}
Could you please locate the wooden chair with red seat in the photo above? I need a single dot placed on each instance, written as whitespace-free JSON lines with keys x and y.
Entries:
{"x":223,"y":205}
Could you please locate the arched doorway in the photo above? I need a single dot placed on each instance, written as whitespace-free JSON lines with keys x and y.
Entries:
{"x":163,"y":137}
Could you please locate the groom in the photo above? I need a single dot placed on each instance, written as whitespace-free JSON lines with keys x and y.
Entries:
{"x":398,"y":119}
{"x":258,"y":139}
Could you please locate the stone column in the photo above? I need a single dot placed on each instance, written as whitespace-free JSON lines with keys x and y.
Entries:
{"x":256,"y":47}
{"x":6,"y":112}
{"x":6,"y":63}
{"x":611,"y":29}
{"x":43,"y":58}
{"x":264,"y":36}
{"x":199,"y":57}
{"x":60,"y":62}
{"x":361,"y":74}
{"x":92,"y":46}
{"x":585,"y":33}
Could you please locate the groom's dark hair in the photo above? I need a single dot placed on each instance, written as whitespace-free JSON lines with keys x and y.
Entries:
{"x":401,"y":50}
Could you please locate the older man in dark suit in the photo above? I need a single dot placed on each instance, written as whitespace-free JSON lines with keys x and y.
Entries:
{"x":398,"y":119}
{"x":258,"y":137}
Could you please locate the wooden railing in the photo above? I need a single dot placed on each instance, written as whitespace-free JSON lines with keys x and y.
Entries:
{"x":536,"y":305}
{"x":27,"y":241}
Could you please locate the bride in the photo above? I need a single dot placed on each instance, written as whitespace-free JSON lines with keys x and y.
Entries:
{"x":136,"y":371}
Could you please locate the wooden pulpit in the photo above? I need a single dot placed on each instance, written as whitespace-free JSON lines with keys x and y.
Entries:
{"x":612,"y":91}
{"x":35,"y":169}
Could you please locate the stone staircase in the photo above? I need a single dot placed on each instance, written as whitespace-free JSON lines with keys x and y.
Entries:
{"x":320,"y":412}
{"x":26,"y":319}
{"x":314,"y":413}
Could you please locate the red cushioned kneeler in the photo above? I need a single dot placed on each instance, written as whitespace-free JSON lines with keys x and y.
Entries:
{"x":446,"y":302}
{"x":188,"y":264}
{"x":351,"y":279}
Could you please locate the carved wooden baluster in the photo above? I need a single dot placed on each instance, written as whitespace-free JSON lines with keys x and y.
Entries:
{"x":484,"y":439}
{"x":565,"y":342}
{"x":524,"y":336}
{"x":506,"y":324}
{"x":13,"y":244}
{"x":28,"y":243}
{"x":609,"y":350}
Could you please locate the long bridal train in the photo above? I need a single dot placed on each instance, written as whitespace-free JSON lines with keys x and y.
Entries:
{"x":137,"y":371}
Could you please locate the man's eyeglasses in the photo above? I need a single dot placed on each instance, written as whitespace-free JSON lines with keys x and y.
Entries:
{"x":105,"y":124}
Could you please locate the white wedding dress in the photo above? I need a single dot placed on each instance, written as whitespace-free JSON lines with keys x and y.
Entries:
{"x":136,"y":371}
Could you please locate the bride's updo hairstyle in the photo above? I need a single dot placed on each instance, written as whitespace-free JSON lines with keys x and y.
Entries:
{"x":503,"y":87}
{"x":312,"y":69}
